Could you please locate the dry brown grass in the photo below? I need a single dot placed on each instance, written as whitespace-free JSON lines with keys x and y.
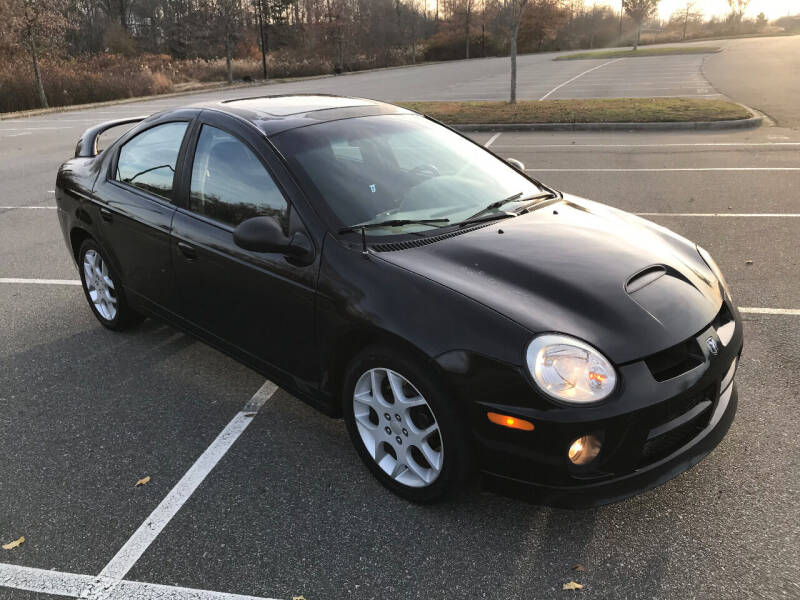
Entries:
{"x":599,"y":110}
{"x":641,"y":52}
{"x":112,"y":76}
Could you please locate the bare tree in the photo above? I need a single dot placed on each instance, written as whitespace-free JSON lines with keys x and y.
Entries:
{"x":228,"y":15}
{"x":467,"y":16}
{"x":639,"y":11}
{"x":688,"y":13}
{"x":37,"y":24}
{"x":415,"y":7}
{"x":118,"y":9}
{"x":737,"y":10}
{"x":516,"y":8}
{"x":263,"y":36}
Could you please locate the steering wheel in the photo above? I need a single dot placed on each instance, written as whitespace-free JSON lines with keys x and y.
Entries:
{"x":425,"y":168}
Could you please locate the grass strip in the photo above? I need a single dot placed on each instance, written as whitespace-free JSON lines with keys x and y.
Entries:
{"x":592,"y":110}
{"x":641,"y":52}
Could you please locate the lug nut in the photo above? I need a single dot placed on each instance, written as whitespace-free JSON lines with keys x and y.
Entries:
{"x":397,"y":417}
{"x":399,"y":439}
{"x":387,"y":430}
{"x":405,"y":432}
{"x":388,"y":418}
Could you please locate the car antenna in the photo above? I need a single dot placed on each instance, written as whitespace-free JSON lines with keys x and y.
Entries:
{"x":364,"y":251}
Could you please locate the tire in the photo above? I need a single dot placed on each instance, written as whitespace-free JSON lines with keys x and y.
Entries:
{"x":434,"y":464}
{"x":103,"y":289}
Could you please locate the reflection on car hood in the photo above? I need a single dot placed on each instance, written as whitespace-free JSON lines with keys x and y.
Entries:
{"x":564,"y":267}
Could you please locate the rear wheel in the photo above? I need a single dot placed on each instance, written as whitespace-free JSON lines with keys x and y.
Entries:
{"x":404,"y":426}
{"x":103,"y":289}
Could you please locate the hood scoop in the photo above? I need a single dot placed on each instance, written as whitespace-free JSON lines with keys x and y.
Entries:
{"x":644,"y":277}
{"x":667,"y":295}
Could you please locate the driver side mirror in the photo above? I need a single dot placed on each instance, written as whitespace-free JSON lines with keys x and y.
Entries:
{"x":516,"y":164}
{"x":264,"y":234}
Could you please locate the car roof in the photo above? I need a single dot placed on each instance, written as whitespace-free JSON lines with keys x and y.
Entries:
{"x":276,"y":114}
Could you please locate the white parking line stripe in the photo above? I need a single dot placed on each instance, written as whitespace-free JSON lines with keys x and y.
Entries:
{"x":744,"y":215}
{"x":133,"y":549}
{"x":558,"y":87}
{"x":36,"y":121}
{"x":43,"y":581}
{"x":40,"y":281}
{"x":129,"y":590}
{"x":30,"y":128}
{"x":769,"y":311}
{"x":73,"y":586}
{"x":28,"y":207}
{"x":492,"y":139}
{"x":688,"y":144}
{"x":666,"y":170}
{"x":654,"y":96}
{"x":694,"y":87}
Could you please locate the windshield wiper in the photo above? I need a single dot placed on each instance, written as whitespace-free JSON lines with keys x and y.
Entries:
{"x":498,"y":203}
{"x":393,"y":223}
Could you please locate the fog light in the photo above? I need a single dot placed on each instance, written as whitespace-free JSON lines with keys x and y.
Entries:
{"x":584,"y":450}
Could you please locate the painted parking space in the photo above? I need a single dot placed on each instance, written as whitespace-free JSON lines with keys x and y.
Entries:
{"x":288,"y":510}
{"x":86,"y":414}
{"x":285,"y":514}
{"x":634,"y":78}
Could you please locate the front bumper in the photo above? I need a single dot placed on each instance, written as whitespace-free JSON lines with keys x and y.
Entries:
{"x":639,"y":480}
{"x":670,"y":411}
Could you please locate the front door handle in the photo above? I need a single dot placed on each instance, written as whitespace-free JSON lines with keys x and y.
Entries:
{"x":188,"y":250}
{"x":106,"y":215}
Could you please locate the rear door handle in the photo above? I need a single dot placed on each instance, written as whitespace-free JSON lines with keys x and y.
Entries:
{"x":188,"y":250}
{"x":106,"y":215}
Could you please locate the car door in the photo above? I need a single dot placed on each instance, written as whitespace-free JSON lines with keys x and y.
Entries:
{"x":136,"y":197}
{"x":258,"y":304}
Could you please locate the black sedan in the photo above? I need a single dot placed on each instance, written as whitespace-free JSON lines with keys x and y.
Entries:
{"x":458,"y":314}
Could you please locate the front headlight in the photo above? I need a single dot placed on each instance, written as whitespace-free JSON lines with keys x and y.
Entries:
{"x":570,"y":370}
{"x":714,"y":269}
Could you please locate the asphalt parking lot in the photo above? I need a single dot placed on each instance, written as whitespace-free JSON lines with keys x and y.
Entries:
{"x":272,"y":501}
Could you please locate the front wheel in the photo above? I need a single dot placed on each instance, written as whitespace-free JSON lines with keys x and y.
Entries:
{"x":404,"y":426}
{"x":103,"y":289}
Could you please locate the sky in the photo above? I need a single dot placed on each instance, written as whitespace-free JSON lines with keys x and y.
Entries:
{"x":771,"y":8}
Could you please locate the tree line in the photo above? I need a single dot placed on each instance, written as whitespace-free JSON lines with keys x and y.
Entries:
{"x":260,"y":38}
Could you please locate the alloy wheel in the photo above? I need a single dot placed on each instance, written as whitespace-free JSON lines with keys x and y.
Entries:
{"x":99,"y":285}
{"x":398,"y":427}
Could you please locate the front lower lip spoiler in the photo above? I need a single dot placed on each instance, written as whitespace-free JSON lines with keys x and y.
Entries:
{"x":625,"y":486}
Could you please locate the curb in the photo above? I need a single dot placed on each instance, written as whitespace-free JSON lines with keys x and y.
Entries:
{"x":750,"y":123}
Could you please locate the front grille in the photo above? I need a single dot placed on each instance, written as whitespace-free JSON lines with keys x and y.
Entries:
{"x":685,"y":356}
{"x":665,"y":444}
{"x":675,"y":361}
{"x":675,"y":407}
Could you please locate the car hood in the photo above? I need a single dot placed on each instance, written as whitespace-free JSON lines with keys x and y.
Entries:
{"x":625,"y":285}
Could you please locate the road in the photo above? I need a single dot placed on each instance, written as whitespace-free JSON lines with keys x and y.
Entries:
{"x":765,"y":76}
{"x":289,"y":510}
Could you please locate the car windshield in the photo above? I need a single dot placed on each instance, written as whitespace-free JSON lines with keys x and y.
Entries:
{"x":400,"y":168}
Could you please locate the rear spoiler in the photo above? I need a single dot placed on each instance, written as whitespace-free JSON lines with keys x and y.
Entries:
{"x":87,"y":145}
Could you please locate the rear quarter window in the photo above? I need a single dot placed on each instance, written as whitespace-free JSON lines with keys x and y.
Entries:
{"x":148,"y":160}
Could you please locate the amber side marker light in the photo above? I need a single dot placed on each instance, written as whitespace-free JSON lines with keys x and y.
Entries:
{"x":509,"y":421}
